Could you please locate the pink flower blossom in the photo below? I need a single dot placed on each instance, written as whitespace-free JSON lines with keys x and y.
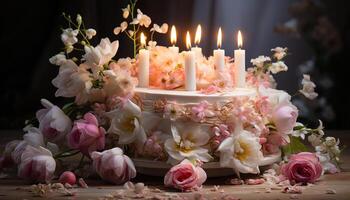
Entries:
{"x":185,"y":176}
{"x":211,"y":89}
{"x":303,"y":167}
{"x":273,"y":142}
{"x":37,"y":164}
{"x":113,"y":166}
{"x":154,"y":146}
{"x":68,"y":177}
{"x":86,"y":135}
{"x":221,"y":132}
{"x":6,"y":158}
{"x":200,"y":111}
{"x":284,"y":117}
{"x":53,"y":122}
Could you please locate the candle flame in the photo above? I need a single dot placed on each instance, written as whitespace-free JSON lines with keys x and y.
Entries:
{"x":197,"y":38}
{"x":239,"y":39}
{"x":219,"y":38}
{"x":173,"y":36}
{"x":143,"y":39}
{"x":188,"y":40}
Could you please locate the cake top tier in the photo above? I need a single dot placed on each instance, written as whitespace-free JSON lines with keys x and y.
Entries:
{"x":182,"y":96}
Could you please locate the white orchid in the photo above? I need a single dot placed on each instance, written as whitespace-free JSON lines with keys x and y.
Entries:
{"x":188,"y":142}
{"x":277,"y":67}
{"x":69,"y":36}
{"x":279,"y":52}
{"x":160,"y":29}
{"x":73,"y":81}
{"x":259,"y":61}
{"x":141,"y":19}
{"x":241,"y":152}
{"x":101,"y":54}
{"x":90,"y":33}
{"x":120,"y":28}
{"x":125,"y":122}
{"x":308,"y":87}
{"x":58,"y":59}
{"x":126,"y":11}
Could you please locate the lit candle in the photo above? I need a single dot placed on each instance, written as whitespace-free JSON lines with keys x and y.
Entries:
{"x":240,"y":63}
{"x":197,"y":40}
{"x":219,"y":54}
{"x":190,"y":67}
{"x":173,"y":38}
{"x":143,"y":63}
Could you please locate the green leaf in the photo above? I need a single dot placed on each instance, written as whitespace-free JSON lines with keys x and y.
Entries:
{"x":295,"y":146}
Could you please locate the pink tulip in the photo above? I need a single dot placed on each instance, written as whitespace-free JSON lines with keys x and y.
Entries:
{"x":113,"y":166}
{"x":285,"y":117}
{"x":185,"y":176}
{"x":86,"y":135}
{"x":303,"y":167}
{"x":37,"y":164}
{"x":68,"y":177}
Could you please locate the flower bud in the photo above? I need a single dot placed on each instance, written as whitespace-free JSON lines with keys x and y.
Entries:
{"x":79,"y":19}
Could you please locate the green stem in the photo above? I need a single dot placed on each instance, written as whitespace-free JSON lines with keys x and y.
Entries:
{"x":67,"y":155}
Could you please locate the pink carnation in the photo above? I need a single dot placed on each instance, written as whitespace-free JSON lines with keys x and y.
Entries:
{"x":86,"y":135}
{"x":185,"y":176}
{"x":303,"y":167}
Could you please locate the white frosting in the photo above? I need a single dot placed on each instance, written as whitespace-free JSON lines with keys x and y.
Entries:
{"x":185,"y":97}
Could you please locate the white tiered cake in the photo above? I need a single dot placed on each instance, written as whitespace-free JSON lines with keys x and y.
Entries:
{"x":187,"y":99}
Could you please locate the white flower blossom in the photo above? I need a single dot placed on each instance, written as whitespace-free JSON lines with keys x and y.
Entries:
{"x":126,"y":11}
{"x":259,"y":61}
{"x":90,"y":33}
{"x":58,"y":59}
{"x":308,"y":89}
{"x":101,"y":54}
{"x":279,"y":52}
{"x":160,"y":29}
{"x":120,"y":28}
{"x":73,"y":81}
{"x":125,"y":122}
{"x":277,"y":67}
{"x":69,"y":36}
{"x":187,"y":143}
{"x":241,"y":151}
{"x":299,"y":133}
{"x":141,"y":19}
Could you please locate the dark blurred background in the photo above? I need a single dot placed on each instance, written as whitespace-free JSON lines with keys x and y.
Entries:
{"x":316,"y":33}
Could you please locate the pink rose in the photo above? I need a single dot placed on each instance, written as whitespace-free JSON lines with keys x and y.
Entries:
{"x":37,"y":164}
{"x":53,"y":122}
{"x":303,"y":167}
{"x":113,"y":166}
{"x":185,"y":176}
{"x":285,"y":117}
{"x":86,"y":135}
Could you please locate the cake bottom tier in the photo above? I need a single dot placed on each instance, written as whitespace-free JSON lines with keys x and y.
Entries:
{"x":213,"y":169}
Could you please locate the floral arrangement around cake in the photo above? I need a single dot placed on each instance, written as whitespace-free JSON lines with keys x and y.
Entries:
{"x":108,"y":126}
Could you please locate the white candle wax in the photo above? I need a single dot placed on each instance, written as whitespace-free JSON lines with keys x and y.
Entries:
{"x":219,"y":59}
{"x":174,"y":49}
{"x":240,"y":68}
{"x":190,"y":71}
{"x":143,"y":68}
{"x":197,"y":51}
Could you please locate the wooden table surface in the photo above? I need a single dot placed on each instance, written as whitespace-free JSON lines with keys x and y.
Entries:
{"x":340,"y":183}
